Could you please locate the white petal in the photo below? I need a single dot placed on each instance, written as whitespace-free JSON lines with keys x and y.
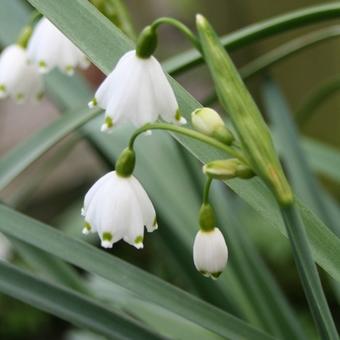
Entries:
{"x":90,"y":194}
{"x":49,"y":48}
{"x":210,"y":252}
{"x":146,"y":206}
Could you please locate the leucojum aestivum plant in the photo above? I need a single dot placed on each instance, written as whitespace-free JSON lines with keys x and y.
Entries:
{"x":138,"y":92}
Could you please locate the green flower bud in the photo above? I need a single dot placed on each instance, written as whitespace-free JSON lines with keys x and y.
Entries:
{"x":207,"y":217}
{"x":227,"y":168}
{"x":126,"y":163}
{"x":146,"y":43}
{"x":209,"y":122}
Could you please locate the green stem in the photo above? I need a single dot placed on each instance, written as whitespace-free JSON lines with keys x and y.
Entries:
{"x":280,"y":53}
{"x":189,"y":133}
{"x":180,"y":26}
{"x":206,"y":190}
{"x":315,"y":99}
{"x":255,"y":32}
{"x":308,"y":273}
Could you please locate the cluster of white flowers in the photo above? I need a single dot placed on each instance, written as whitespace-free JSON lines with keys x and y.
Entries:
{"x":20,"y":68}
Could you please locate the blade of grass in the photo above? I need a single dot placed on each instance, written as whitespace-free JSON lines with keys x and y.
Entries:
{"x":69,"y":305}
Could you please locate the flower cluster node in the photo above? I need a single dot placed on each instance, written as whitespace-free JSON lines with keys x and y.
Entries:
{"x":227,"y":168}
{"x":209,"y":122}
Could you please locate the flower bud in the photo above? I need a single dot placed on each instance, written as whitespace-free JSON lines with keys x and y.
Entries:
{"x":209,"y":122}
{"x":126,"y":163}
{"x":227,"y":168}
{"x":146,"y":43}
{"x":210,"y":253}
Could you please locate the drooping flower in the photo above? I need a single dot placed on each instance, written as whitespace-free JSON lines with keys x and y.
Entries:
{"x":18,"y":78}
{"x":210,"y":252}
{"x":49,"y":48}
{"x":136,"y":91}
{"x":118,"y":208}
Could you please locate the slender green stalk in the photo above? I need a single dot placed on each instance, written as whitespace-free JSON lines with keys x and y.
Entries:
{"x":280,"y":53}
{"x":308,"y":273}
{"x":207,"y":190}
{"x":255,"y":32}
{"x":180,"y":26}
{"x":315,"y":99}
{"x":189,"y":133}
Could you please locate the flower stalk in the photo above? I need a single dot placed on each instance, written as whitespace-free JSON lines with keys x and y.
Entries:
{"x":189,"y":133}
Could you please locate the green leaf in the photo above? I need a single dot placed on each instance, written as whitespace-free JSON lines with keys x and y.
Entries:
{"x":69,"y":305}
{"x":257,"y":31}
{"x":301,"y":176}
{"x":17,"y":160}
{"x":125,"y":275}
{"x":323,"y":158}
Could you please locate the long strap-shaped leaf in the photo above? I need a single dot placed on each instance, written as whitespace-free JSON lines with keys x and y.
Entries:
{"x":125,"y":275}
{"x":104,"y":44}
{"x":69,"y":305}
{"x":259,"y":30}
{"x":14,"y":162}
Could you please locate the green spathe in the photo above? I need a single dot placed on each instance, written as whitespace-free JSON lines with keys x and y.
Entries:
{"x":207,"y":217}
{"x":247,"y":119}
{"x":147,"y":42}
{"x":126,"y":162}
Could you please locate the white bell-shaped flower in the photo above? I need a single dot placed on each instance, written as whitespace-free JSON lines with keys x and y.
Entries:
{"x":136,"y":91}
{"x":49,"y":48}
{"x":118,"y":208}
{"x":18,"y":78}
{"x":210,"y":252}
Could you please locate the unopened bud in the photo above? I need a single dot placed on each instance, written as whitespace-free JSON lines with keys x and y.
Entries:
{"x":126,"y":163}
{"x":209,"y":122}
{"x":227,"y":168}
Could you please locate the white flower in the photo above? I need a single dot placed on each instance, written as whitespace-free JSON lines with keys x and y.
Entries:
{"x":137,"y":91}
{"x":18,"y":78}
{"x":210,"y":252}
{"x":49,"y":48}
{"x":118,"y":208}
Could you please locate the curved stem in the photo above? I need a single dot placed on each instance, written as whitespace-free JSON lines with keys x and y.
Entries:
{"x":189,"y":133}
{"x":206,"y":190}
{"x":180,"y":26}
